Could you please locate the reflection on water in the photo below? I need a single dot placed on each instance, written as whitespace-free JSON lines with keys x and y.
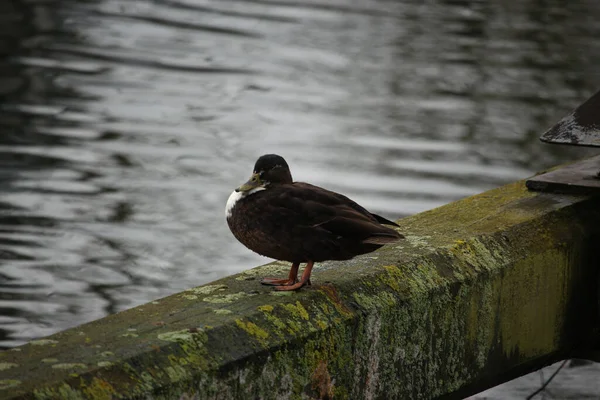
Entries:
{"x":126,"y":124}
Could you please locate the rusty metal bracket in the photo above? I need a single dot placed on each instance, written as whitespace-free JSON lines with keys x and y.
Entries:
{"x":580,"y":128}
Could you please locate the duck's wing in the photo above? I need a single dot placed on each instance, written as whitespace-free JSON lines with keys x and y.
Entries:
{"x":363,"y":231}
{"x":320,"y":209}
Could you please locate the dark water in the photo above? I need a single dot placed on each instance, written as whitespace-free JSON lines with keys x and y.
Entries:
{"x":126,"y":124}
{"x":573,"y":382}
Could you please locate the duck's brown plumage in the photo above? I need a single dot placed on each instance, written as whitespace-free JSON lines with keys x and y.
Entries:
{"x":299,"y":222}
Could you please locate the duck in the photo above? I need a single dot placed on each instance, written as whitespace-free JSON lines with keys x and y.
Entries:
{"x":300,"y":223}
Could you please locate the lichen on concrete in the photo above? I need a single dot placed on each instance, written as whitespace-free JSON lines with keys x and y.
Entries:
{"x":104,"y":364}
{"x":207,"y":289}
{"x":282,"y":294}
{"x":227,"y":298}
{"x":43,"y":342}
{"x":274,"y":269}
{"x":222,"y":311}
{"x":7,"y":365}
{"x":177,"y":336}
{"x":9,"y":383}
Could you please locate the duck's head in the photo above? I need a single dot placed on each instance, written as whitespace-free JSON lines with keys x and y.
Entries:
{"x":269,"y":169}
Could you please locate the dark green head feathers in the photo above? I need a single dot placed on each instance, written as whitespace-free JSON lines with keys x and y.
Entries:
{"x":269,"y":169}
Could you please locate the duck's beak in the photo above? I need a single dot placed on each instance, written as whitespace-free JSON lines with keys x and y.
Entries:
{"x":252,"y":183}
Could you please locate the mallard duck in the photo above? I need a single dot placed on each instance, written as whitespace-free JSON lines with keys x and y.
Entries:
{"x":301,"y":223}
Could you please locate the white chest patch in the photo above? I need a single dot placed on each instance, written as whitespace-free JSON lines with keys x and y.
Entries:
{"x":234,"y":197}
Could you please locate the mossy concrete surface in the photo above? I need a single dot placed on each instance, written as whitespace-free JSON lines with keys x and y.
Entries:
{"x":481,"y":290}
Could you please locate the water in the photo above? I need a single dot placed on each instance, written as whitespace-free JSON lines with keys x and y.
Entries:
{"x":126,"y":124}
{"x":576,"y":381}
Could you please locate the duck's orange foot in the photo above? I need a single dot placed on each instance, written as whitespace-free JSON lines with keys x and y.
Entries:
{"x":295,"y":286}
{"x":305,"y":280}
{"x":277,"y":282}
{"x":291,"y":279}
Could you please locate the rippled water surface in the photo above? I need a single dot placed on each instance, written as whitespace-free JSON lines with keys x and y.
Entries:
{"x":126,"y":124}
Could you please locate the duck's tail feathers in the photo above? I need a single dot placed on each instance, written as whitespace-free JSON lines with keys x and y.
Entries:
{"x":384,"y":221}
{"x":383,"y":238}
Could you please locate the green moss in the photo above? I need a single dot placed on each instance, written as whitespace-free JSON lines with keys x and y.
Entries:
{"x":9,"y":383}
{"x":278,"y":327}
{"x":63,"y":391}
{"x":375,"y":301}
{"x":533,"y":330}
{"x":99,"y":389}
{"x":69,"y":366}
{"x":253,"y":330}
{"x":297,"y":310}
{"x":395,"y":278}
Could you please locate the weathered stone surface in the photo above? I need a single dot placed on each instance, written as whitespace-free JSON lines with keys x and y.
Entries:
{"x":482,"y":290}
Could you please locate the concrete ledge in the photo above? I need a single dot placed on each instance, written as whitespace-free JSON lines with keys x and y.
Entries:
{"x":482,"y":290}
